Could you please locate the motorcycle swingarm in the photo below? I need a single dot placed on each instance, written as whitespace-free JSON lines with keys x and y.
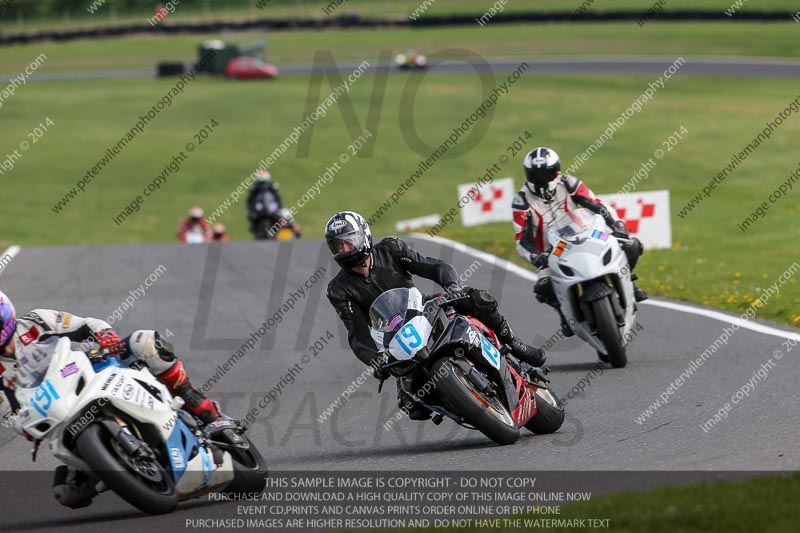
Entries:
{"x":441,"y":412}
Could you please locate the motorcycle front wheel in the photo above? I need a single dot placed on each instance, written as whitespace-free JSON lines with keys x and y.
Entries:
{"x":608,"y":332}
{"x":484,"y":412}
{"x":142,"y":483}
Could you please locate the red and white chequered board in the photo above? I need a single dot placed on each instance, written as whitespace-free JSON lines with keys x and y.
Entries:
{"x":646,"y":214}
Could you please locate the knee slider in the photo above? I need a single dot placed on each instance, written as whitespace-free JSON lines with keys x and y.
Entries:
{"x":633,"y":251}
{"x":544,"y":291}
{"x":155,"y":351}
{"x":164,"y":348}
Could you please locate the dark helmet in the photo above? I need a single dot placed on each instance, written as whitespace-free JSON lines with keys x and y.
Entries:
{"x":542,"y":166}
{"x":349,"y":238}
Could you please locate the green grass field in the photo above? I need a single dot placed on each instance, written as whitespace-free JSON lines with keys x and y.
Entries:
{"x":659,"y":39}
{"x":765,"y":504}
{"x":113,"y":13}
{"x":712,"y":263}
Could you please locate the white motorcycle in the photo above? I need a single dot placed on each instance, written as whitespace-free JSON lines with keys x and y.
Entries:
{"x":592,"y":281}
{"x":124,"y":427}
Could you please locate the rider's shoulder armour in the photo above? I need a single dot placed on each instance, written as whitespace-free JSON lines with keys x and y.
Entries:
{"x":570,"y":182}
{"x":519,"y":203}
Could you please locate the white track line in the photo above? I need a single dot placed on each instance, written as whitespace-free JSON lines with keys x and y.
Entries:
{"x":683,"y":308}
{"x":10,"y":253}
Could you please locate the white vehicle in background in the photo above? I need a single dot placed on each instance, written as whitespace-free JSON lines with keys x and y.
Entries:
{"x":410,"y":61}
{"x":122,"y":425}
{"x":592,"y":281}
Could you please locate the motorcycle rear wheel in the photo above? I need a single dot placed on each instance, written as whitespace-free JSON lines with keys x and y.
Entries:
{"x":549,"y":413}
{"x":487,"y":414}
{"x":153,"y":496}
{"x":249,"y":469}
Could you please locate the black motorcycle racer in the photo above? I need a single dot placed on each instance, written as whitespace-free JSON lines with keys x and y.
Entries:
{"x":368,"y":271}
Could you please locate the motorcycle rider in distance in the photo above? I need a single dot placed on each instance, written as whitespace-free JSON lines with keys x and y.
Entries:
{"x":219,"y":233}
{"x":20,"y":355}
{"x":195,"y":228}
{"x":286,"y":221}
{"x":543,"y":199}
{"x":368,"y":271}
{"x":263,"y":204}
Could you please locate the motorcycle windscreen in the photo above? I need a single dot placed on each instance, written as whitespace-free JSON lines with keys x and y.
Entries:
{"x":35,"y":360}
{"x":573,"y":223}
{"x":394,"y":308}
{"x":397,"y":324}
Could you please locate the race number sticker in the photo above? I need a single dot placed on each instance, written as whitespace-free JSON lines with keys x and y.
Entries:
{"x":411,"y":338}
{"x":490,"y":352}
{"x":43,"y":397}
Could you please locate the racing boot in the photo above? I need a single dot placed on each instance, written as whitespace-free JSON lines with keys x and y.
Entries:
{"x":407,"y":403}
{"x":639,"y":294}
{"x":523,"y":352}
{"x":73,"y":488}
{"x":197,"y":403}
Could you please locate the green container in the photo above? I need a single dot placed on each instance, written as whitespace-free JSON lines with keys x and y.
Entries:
{"x":215,"y":54}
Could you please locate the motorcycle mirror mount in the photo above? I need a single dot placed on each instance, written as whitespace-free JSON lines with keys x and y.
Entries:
{"x":35,"y":449}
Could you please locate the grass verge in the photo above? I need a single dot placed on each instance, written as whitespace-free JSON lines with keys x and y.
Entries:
{"x":712,"y":261}
{"x":524,"y":40}
{"x":763,"y":504}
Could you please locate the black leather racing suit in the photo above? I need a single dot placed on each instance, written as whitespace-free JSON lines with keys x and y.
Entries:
{"x":393,"y":263}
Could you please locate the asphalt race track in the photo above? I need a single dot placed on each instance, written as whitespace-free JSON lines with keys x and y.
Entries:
{"x":712,"y":66}
{"x":211,"y":298}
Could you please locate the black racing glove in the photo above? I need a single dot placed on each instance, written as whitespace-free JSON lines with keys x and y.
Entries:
{"x":539,"y":260}
{"x":621,"y":230}
{"x":458,"y":291}
{"x":379,"y":371}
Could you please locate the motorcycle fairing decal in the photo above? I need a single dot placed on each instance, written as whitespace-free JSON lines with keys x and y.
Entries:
{"x":490,"y":352}
{"x":559,"y":249}
{"x":208,"y":467}
{"x":474,"y":337}
{"x":43,"y":397}
{"x":70,"y":369}
{"x":525,"y":410}
{"x":111,"y":361}
{"x":176,"y":456}
{"x":601,"y":235}
{"x":526,"y":406}
{"x":181,"y":445}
